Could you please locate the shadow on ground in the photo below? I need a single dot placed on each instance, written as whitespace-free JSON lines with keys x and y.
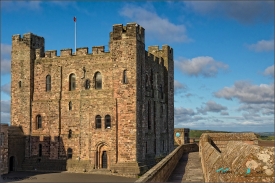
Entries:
{"x":61,"y":177}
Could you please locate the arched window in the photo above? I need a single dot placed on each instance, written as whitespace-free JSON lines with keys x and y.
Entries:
{"x":70,"y":105}
{"x":39,"y":121}
{"x":72,"y":82}
{"x":69,"y":153}
{"x":149,"y":115}
{"x":70,"y":134}
{"x":48,"y":83}
{"x":98,"y":81}
{"x":125,"y":79}
{"x":87,"y":84}
{"x":98,"y":121}
{"x":107,"y":121}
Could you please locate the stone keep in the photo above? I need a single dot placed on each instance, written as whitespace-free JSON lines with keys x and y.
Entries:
{"x":106,"y":109}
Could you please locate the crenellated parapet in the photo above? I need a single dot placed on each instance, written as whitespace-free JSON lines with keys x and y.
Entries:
{"x":131,"y":30}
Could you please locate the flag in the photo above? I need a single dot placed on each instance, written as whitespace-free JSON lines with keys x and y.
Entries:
{"x":74,"y":19}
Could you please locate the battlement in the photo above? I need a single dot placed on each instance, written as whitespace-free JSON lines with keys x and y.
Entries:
{"x":29,"y":39}
{"x":131,"y":30}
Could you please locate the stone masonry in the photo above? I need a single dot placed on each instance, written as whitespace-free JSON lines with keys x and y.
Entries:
{"x":102,"y":110}
{"x":4,"y":148}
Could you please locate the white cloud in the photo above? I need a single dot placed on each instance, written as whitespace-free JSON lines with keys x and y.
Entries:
{"x":5,"y":58}
{"x":6,"y":88}
{"x":5,"y":106}
{"x":204,"y":65}
{"x":248,"y":93}
{"x":178,"y":86}
{"x":19,"y":5}
{"x":261,"y":46}
{"x":242,"y":11}
{"x":156,"y":26}
{"x":269,"y":71}
{"x":5,"y":66}
{"x":5,"y":49}
{"x":211,"y":106}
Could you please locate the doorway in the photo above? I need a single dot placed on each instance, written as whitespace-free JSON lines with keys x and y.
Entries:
{"x":40,"y":150}
{"x":11,"y":164}
{"x":104,"y":159}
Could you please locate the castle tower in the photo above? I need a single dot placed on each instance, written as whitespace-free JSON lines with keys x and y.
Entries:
{"x":22,"y":79}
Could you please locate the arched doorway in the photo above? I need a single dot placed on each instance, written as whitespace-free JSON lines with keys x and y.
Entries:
{"x":104,"y":159}
{"x":11,"y":163}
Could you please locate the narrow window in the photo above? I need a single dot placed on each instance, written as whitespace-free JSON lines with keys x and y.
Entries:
{"x":98,"y":121}
{"x":72,"y":82}
{"x":151,"y":78}
{"x":124,"y":79}
{"x":98,"y":81}
{"x":70,"y":105}
{"x":48,"y":83}
{"x":39,"y":121}
{"x":107,"y":121}
{"x":161,"y":91}
{"x":149,"y":115}
{"x":161,"y":111}
{"x":70,"y":134}
{"x":69,"y":153}
{"x":40,"y":150}
{"x":20,"y":84}
{"x":2,"y":140}
{"x":87,"y":84}
{"x":146,"y":81}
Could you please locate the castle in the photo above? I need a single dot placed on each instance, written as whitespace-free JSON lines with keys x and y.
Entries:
{"x":110,"y":110}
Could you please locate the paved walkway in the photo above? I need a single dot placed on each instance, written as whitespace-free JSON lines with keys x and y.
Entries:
{"x":61,"y":177}
{"x":188,"y":169}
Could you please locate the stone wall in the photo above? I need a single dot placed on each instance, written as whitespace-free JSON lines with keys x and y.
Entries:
{"x":238,"y":156}
{"x":161,"y":171}
{"x":4,"y":156}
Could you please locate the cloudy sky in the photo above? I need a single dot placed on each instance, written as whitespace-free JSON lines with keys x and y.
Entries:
{"x":223,"y":51}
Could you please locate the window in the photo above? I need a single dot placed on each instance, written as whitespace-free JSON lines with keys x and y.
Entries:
{"x":69,"y":153}
{"x":146,"y":81}
{"x":149,"y":115}
{"x":39,"y":121}
{"x":107,"y":121}
{"x":48,"y":83}
{"x":161,"y":111}
{"x":70,"y":105}
{"x":124,"y":79}
{"x":72,"y":82}
{"x":161,"y":91}
{"x":40,"y":150}
{"x":151,"y":78}
{"x":98,"y":81}
{"x":70,"y":134}
{"x":20,"y":84}
{"x":98,"y":121}
{"x":2,"y":140}
{"x":87,"y":84}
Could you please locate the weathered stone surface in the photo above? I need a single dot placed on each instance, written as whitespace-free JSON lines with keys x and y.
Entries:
{"x":141,"y":107}
{"x":4,"y":142}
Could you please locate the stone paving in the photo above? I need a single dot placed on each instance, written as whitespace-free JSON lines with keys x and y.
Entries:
{"x":61,"y":177}
{"x":188,"y":169}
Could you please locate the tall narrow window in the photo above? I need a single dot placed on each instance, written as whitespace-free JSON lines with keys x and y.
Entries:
{"x":151,"y":78}
{"x":87,"y":84}
{"x":70,"y":105}
{"x":70,"y":134}
{"x":69,"y":153}
{"x":98,"y":81}
{"x":20,"y":84}
{"x":107,"y":121}
{"x":124,"y":79}
{"x":149,"y":115}
{"x":48,"y":83}
{"x":39,"y":121}
{"x":161,"y":91}
{"x":98,"y":121}
{"x":72,"y":82}
{"x":40,"y":150}
{"x":146,"y":81}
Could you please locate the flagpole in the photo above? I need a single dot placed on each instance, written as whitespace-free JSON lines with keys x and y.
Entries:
{"x":75,"y":35}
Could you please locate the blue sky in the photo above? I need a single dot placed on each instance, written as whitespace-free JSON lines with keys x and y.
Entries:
{"x":223,"y":51}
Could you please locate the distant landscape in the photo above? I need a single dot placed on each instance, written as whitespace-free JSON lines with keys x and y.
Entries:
{"x":260,"y":135}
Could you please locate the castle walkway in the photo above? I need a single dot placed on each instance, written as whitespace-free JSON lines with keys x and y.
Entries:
{"x":188,"y":169}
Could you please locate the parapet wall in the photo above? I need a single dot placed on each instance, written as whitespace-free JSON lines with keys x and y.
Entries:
{"x":245,"y":162}
{"x":162,"y":171}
